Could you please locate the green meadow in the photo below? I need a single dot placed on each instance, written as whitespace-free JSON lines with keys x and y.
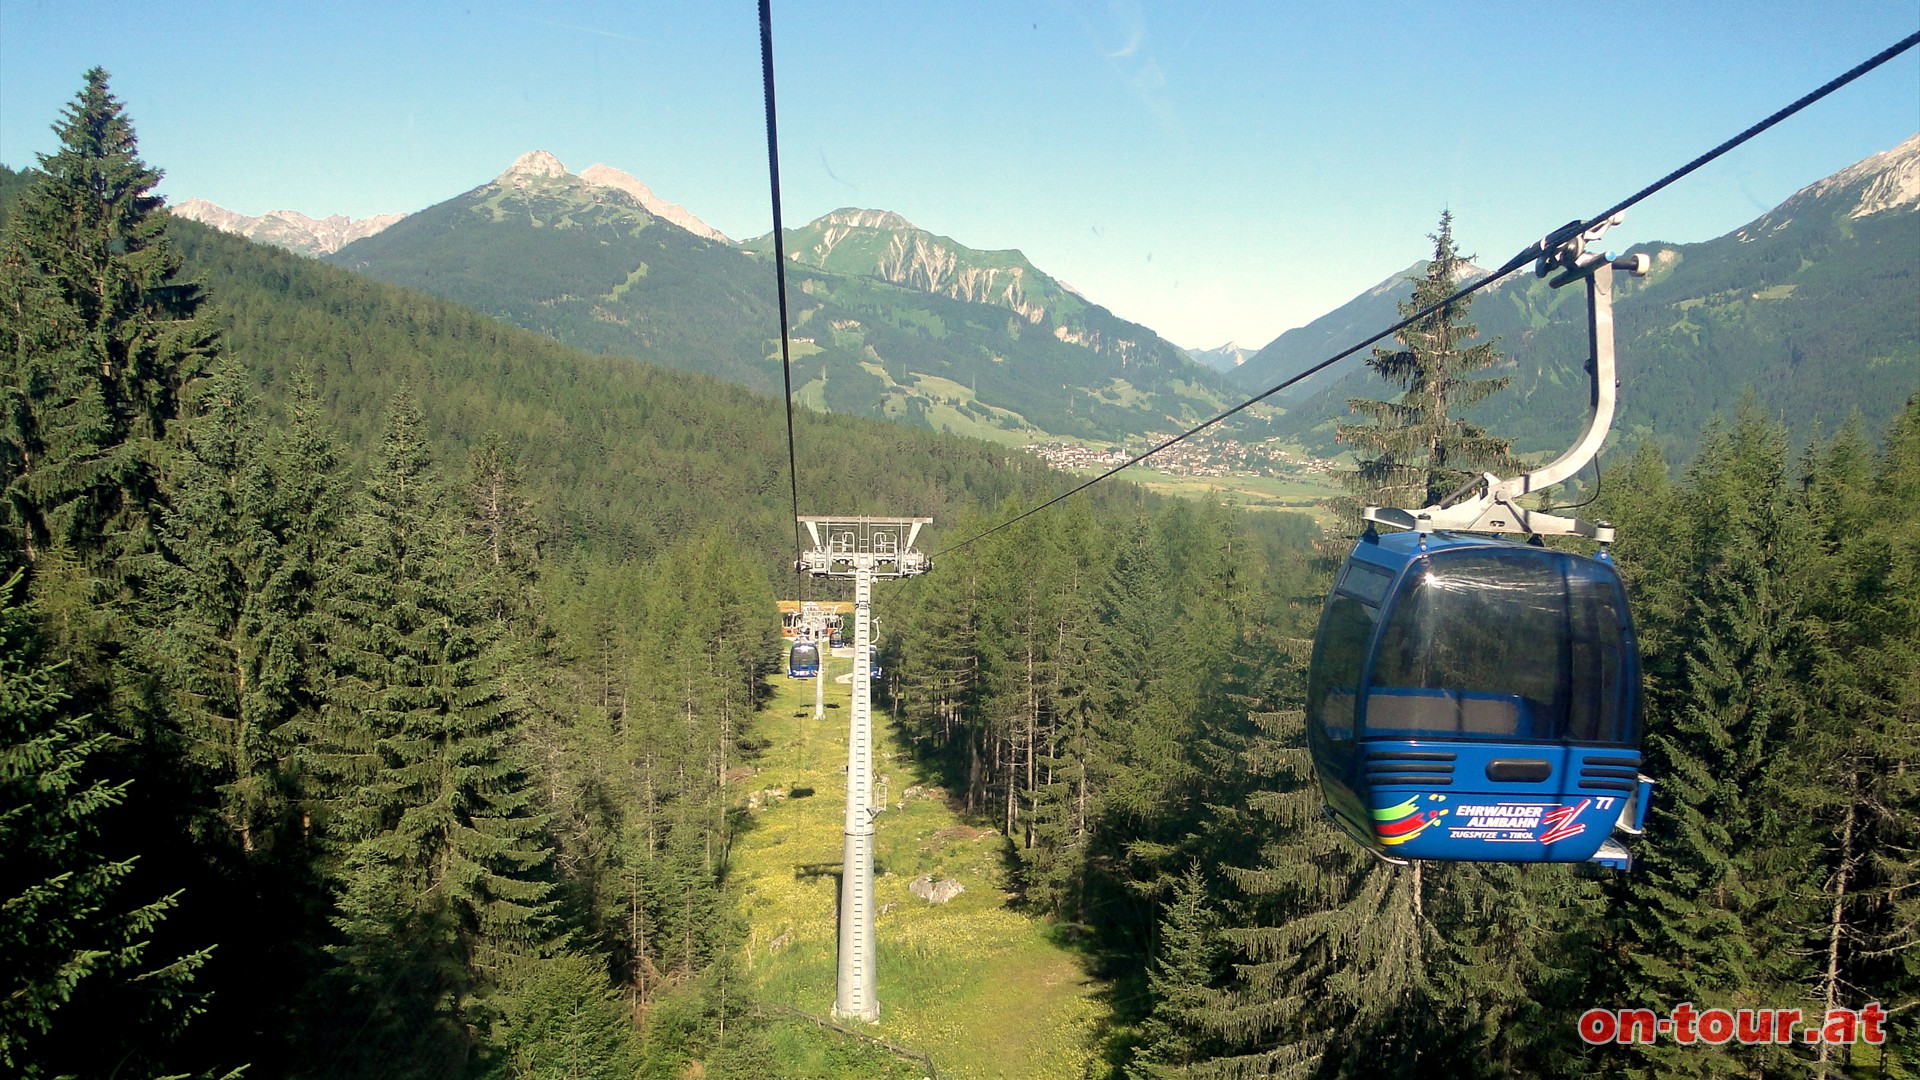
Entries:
{"x":977,"y":986}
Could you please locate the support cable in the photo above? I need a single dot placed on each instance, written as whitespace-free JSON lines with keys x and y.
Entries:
{"x":1544,"y":246}
{"x":780,"y":274}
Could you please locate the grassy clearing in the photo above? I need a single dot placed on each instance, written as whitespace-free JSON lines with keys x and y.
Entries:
{"x":944,"y":417}
{"x":1305,"y":494}
{"x":980,"y":987}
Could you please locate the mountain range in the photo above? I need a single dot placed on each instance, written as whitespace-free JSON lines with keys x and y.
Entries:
{"x":1223,"y":358}
{"x":1814,"y":308}
{"x":621,"y":458}
{"x":887,"y":319}
{"x":288,"y":229}
{"x":1811,"y":307}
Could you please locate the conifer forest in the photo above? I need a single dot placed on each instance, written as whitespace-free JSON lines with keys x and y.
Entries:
{"x":382,"y":688}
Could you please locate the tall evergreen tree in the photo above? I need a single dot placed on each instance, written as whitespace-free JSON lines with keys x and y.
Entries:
{"x":559,"y":1020}
{"x":1513,"y":959}
{"x":431,"y":797}
{"x":228,"y":645}
{"x":1885,"y":960}
{"x":1710,"y":911}
{"x":99,"y":339}
{"x":508,"y":533}
{"x":1175,"y":1035}
{"x":1415,"y":450}
{"x":1335,"y":980}
{"x":65,"y":926}
{"x":1860,"y":749}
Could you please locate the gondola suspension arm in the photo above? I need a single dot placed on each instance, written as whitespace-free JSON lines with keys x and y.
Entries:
{"x":1490,"y":503}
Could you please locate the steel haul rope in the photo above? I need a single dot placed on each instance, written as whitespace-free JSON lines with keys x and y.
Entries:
{"x":780,"y":272}
{"x":1545,"y":245}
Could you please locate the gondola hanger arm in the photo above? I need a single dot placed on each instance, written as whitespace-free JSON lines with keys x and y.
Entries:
{"x":1490,"y":503}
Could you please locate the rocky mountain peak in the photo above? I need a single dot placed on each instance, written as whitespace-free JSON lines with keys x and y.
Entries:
{"x":1224,"y":358}
{"x":1888,"y":180}
{"x":853,"y":218}
{"x":607,"y":176}
{"x":212,"y":214}
{"x":288,"y":229}
{"x":530,"y":166}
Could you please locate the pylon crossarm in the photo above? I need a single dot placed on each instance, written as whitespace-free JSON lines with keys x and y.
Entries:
{"x":881,"y":545}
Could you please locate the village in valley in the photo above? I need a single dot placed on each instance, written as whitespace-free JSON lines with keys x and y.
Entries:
{"x":1196,"y":457}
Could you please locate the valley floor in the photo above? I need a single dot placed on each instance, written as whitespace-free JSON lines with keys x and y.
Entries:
{"x":1305,"y":493}
{"x":979,"y":987}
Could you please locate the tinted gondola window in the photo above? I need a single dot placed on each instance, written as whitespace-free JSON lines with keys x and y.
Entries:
{"x":1339,"y":655}
{"x":1509,"y":644}
{"x":1599,"y":699}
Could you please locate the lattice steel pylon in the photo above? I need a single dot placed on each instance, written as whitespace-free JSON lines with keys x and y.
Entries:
{"x":861,"y":548}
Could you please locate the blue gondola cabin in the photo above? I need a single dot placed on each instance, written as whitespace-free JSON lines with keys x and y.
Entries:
{"x":1472,"y":698}
{"x":803,"y":660}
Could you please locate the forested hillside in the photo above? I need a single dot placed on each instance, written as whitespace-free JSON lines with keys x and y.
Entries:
{"x":624,"y":456}
{"x":589,"y":266}
{"x":1127,"y":714}
{"x":1131,"y":720}
{"x":376,"y":670}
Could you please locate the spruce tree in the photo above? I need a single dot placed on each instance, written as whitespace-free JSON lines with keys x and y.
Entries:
{"x":557,"y":1019}
{"x":1709,"y":913}
{"x":1885,"y":964}
{"x":1175,"y":1034}
{"x":1067,"y":768}
{"x":311,"y":506}
{"x":1333,"y":979}
{"x":508,"y":533}
{"x":98,"y":339}
{"x":431,"y":799}
{"x":1514,"y":959}
{"x":228,"y":618}
{"x":67,"y":927}
{"x":1415,"y":450}
{"x":1861,"y":752}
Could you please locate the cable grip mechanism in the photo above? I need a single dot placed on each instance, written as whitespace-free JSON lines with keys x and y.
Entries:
{"x":1489,"y":503}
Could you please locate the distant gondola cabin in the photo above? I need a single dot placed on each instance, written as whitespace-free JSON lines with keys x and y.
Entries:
{"x":803,"y":660}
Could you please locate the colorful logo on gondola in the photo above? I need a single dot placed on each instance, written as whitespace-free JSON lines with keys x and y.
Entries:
{"x":1563,"y":821}
{"x":1503,"y":821}
{"x":1401,"y":823}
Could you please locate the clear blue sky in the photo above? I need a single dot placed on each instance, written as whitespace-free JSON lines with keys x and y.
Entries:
{"x":1214,"y":170}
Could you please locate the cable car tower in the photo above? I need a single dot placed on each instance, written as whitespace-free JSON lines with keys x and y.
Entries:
{"x":1473,"y":698}
{"x":861,"y":548}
